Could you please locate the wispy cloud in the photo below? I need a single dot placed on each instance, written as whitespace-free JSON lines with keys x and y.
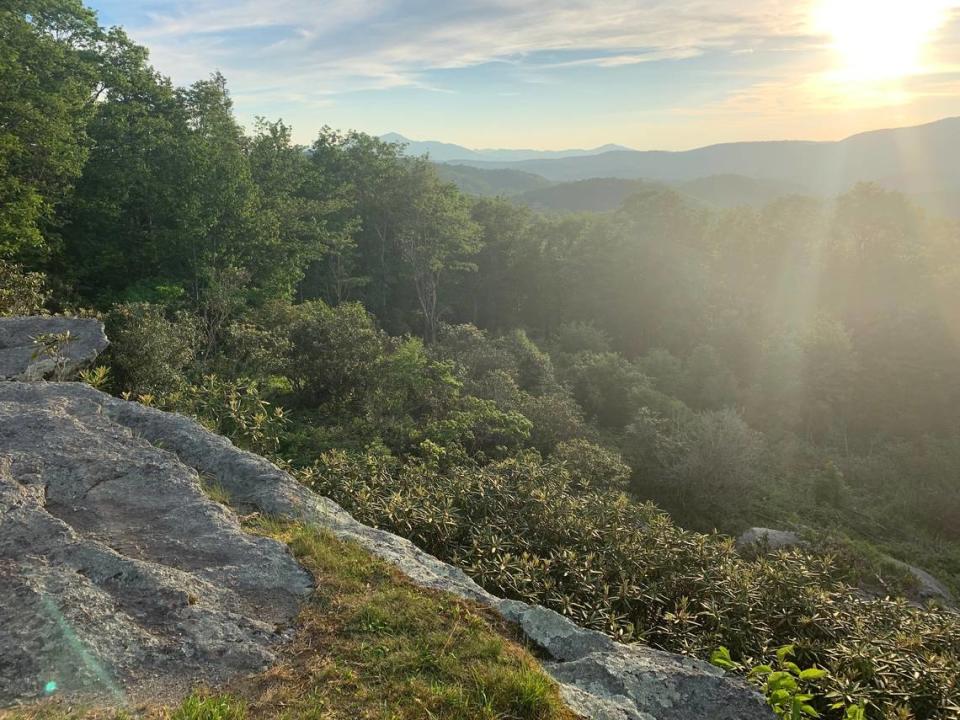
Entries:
{"x":345,"y":45}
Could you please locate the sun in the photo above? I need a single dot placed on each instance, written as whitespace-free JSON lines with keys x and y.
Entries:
{"x":880,"y":40}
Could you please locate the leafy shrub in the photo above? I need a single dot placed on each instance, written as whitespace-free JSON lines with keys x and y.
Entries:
{"x":334,"y":352}
{"x":591,"y":466}
{"x":498,"y":386}
{"x":474,"y":352}
{"x":234,"y":409}
{"x":555,"y":417}
{"x":707,"y":383}
{"x":534,"y":367}
{"x":576,"y":337}
{"x":149,"y":354}
{"x":478,"y":426}
{"x":515,"y":354}
{"x":665,"y":369}
{"x":718,"y":469}
{"x":790,"y":691}
{"x":624,"y":568}
{"x":52,"y":347}
{"x":21,"y":293}
{"x":605,"y":385}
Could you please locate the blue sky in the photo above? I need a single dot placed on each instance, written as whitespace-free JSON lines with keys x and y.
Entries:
{"x":665,"y":74}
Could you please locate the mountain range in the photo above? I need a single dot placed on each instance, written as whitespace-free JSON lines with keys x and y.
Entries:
{"x":922,"y":161}
{"x":447,"y":152}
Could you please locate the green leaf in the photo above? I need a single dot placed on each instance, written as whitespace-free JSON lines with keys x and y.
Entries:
{"x":721,"y":658}
{"x":813,"y":674}
{"x":784,"y":652}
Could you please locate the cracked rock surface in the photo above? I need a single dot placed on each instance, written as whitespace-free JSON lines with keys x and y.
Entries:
{"x":115,"y":570}
{"x":119,"y":579}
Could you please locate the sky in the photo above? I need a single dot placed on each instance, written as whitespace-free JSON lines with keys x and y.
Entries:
{"x":557,"y":74}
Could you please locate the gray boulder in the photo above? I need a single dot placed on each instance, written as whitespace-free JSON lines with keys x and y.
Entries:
{"x":19,"y":356}
{"x":118,"y":577}
{"x":110,"y":506}
{"x":765,"y":538}
{"x":927,"y":586}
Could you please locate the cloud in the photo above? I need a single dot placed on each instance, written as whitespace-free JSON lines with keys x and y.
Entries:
{"x":342,"y":45}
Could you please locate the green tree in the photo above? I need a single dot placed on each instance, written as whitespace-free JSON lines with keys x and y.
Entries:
{"x":436,"y":236}
{"x":56,"y":62}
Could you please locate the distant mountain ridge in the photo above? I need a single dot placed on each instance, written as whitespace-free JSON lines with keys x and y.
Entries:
{"x":919,"y":159}
{"x":448,"y":152}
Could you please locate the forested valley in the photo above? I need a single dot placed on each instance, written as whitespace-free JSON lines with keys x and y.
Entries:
{"x":579,"y":410}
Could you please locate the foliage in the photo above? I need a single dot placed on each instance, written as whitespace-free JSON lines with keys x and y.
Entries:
{"x":55,"y":62}
{"x":243,"y":273}
{"x":555,"y":417}
{"x":605,"y":385}
{"x":149,"y":353}
{"x":234,"y":409}
{"x":96,"y":377}
{"x":21,"y":293}
{"x":591,"y":466}
{"x":478,"y":426}
{"x":720,"y":459}
{"x":579,"y":336}
{"x":787,"y":688}
{"x":333,"y":351}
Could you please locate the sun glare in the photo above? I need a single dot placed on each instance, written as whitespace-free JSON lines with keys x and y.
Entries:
{"x":880,"y":40}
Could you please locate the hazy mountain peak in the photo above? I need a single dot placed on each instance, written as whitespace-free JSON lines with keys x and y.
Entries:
{"x":449,"y":152}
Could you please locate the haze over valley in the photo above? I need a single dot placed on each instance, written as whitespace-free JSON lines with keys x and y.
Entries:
{"x":919,"y":161}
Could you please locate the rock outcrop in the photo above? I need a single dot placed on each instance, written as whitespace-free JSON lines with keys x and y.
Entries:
{"x":767,"y":539}
{"x":20,"y":356}
{"x":927,"y":586}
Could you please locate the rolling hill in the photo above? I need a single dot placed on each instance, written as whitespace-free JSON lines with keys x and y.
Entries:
{"x":490,"y":183}
{"x":916,"y":160}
